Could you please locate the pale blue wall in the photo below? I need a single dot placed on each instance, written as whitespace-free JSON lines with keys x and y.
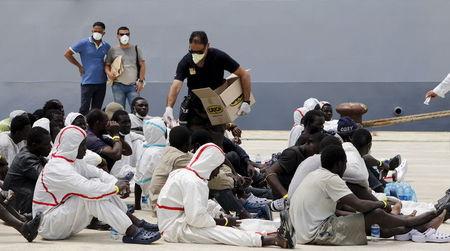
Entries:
{"x":383,"y":52}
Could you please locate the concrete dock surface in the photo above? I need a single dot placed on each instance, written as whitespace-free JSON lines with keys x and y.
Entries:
{"x":428,"y":155}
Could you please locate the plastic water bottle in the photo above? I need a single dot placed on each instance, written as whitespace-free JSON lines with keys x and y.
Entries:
{"x":144,"y":201}
{"x":401,"y":192}
{"x":408,"y":192}
{"x":258,"y":159}
{"x":375,"y":232}
{"x":114,"y":234}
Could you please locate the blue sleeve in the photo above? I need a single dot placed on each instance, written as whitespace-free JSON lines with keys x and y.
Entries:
{"x":95,"y":144}
{"x":78,"y":47}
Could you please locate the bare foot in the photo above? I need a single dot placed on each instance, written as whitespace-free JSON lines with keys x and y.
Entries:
{"x":436,"y":222}
{"x":396,"y":209}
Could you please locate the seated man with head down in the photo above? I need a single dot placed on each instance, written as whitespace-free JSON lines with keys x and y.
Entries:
{"x":69,"y":193}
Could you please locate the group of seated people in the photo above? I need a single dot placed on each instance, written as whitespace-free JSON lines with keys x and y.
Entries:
{"x":60,"y":174}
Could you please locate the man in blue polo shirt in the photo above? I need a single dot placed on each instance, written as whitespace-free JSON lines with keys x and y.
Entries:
{"x":92,"y":52}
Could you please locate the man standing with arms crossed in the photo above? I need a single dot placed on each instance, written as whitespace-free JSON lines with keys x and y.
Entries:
{"x":204,"y":67}
{"x":92,"y":52}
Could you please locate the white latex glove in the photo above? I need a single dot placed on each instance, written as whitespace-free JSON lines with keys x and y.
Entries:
{"x":245,"y":109}
{"x":168,"y":116}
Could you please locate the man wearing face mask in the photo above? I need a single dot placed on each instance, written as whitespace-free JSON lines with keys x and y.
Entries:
{"x":129,"y":84}
{"x":204,"y":67}
{"x":92,"y":52}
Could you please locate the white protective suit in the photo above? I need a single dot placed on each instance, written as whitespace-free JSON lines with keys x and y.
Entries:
{"x":91,"y":158}
{"x":137,"y":120}
{"x":443,"y":87}
{"x":298,"y":128}
{"x":154,"y":146}
{"x":69,"y":192}
{"x":183,"y":202}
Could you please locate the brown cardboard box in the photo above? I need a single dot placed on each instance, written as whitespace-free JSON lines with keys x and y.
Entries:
{"x":223,"y":103}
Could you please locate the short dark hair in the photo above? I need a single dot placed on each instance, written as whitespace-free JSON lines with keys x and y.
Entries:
{"x":122,"y":28}
{"x":200,"y":137}
{"x":310,"y":116}
{"x":19,"y":123}
{"x":327,"y":104}
{"x":361,"y":137}
{"x":36,"y":135}
{"x":133,"y":102}
{"x":53,"y":104}
{"x":200,"y":35}
{"x":116,"y":115}
{"x":179,"y":136}
{"x":101,"y":24}
{"x":331,"y":155}
{"x":329,"y":141}
{"x":39,"y":113}
{"x":93,"y":116}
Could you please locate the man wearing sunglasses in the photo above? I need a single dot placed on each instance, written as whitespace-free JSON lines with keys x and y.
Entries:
{"x":203,"y":67}
{"x":129,"y":84}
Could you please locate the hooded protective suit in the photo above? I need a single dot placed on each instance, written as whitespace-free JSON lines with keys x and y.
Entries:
{"x":90,"y":158}
{"x":154,"y":146}
{"x":298,"y":128}
{"x":69,"y":192}
{"x":128,"y":163}
{"x":183,"y":202}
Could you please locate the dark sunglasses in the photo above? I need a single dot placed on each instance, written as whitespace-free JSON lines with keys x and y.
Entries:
{"x":122,"y":34}
{"x":196,"y":52}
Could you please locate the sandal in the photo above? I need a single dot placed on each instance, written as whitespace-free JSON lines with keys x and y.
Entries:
{"x":148,"y":226}
{"x":142,"y":237}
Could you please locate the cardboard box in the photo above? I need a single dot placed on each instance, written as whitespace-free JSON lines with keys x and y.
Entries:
{"x":223,"y":103}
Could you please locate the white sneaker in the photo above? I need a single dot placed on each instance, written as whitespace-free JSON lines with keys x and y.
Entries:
{"x":431,"y":235}
{"x":407,"y":236}
{"x":401,"y":170}
{"x":256,"y":200}
{"x":278,"y":205}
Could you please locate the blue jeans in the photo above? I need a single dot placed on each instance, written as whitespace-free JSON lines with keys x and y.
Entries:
{"x":122,"y":93}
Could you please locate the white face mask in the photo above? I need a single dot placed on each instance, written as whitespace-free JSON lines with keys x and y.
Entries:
{"x":97,"y":36}
{"x":124,"y":39}
{"x":198,"y":57}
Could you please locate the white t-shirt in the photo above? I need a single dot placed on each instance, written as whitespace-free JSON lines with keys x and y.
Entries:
{"x":331,"y":126}
{"x":356,"y":172}
{"x":314,"y":201}
{"x":310,"y":164}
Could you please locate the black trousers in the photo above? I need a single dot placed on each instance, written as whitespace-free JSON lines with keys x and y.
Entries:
{"x":92,"y":96}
